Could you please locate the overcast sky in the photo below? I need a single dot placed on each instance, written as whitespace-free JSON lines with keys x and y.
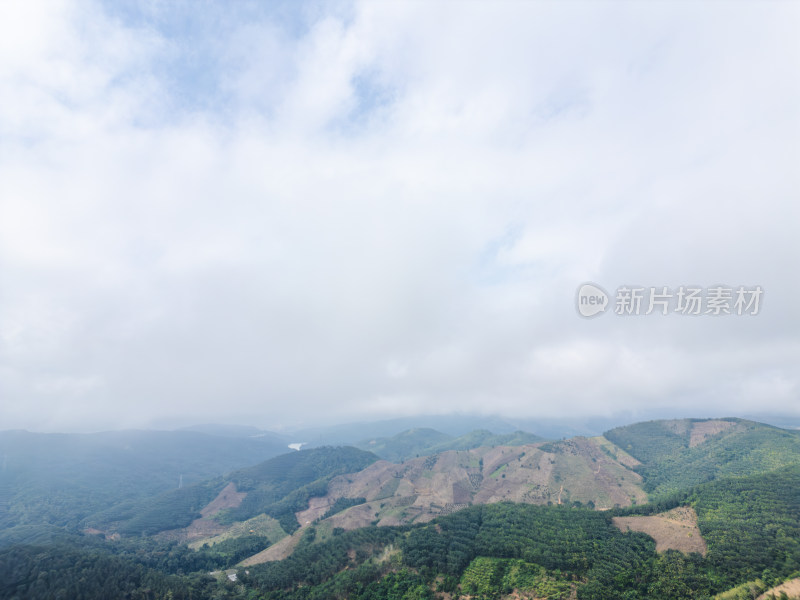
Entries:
{"x":284,"y":214}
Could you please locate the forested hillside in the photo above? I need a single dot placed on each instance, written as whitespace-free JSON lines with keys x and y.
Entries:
{"x":679,"y":454}
{"x":277,"y":487}
{"x":283,"y":485}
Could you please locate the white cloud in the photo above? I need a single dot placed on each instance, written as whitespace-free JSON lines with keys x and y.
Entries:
{"x":389,"y":209}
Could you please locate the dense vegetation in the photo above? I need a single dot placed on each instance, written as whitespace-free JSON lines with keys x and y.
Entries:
{"x":751,"y":524}
{"x":64,"y":572}
{"x":171,"y":510}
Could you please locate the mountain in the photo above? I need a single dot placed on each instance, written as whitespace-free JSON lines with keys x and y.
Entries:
{"x":417,"y":490}
{"x":247,"y":431}
{"x":60,"y":479}
{"x":676,"y":454}
{"x":750,"y":526}
{"x":485,"y":438}
{"x":282,"y":486}
{"x":277,"y":488}
{"x":406,"y":444}
{"x":353,"y":433}
{"x":425,"y":441}
{"x":454,"y":425}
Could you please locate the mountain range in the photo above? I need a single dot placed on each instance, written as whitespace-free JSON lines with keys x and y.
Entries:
{"x":701,"y":507}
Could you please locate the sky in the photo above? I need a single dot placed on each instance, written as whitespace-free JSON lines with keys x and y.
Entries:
{"x":290,"y":214}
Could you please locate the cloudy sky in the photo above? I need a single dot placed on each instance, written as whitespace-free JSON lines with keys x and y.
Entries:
{"x":286,"y":214}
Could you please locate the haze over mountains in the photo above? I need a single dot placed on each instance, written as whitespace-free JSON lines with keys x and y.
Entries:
{"x":211,"y":494}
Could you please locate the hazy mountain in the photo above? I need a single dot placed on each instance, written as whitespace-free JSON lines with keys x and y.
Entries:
{"x":277,"y":487}
{"x":242,"y":431}
{"x":424,"y":441}
{"x":61,"y":479}
{"x":406,"y":444}
{"x":353,"y":433}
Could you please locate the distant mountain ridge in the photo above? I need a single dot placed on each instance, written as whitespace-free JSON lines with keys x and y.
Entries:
{"x":89,"y":473}
{"x":425,"y":441}
{"x":241,"y":431}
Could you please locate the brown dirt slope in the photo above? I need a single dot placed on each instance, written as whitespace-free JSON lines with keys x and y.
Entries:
{"x":275,"y":552}
{"x":262,"y":525}
{"x":206,"y":526}
{"x":227,"y":498}
{"x":703,"y":430}
{"x":672,"y":530}
{"x":791,"y":588}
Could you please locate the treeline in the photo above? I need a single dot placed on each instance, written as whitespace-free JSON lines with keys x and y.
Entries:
{"x":341,"y":504}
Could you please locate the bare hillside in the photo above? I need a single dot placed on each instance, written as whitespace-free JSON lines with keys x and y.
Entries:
{"x":578,"y":470}
{"x":672,"y":530}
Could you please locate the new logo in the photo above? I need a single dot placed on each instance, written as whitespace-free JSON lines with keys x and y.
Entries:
{"x":592,"y":300}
